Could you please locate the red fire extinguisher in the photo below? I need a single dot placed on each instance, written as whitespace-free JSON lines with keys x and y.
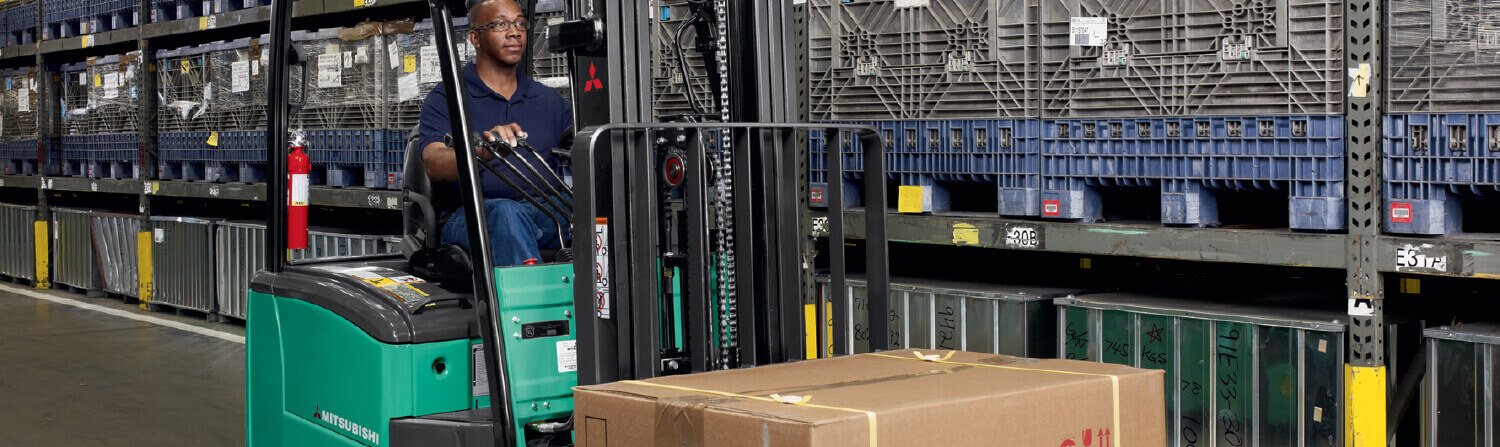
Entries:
{"x":298,"y":166}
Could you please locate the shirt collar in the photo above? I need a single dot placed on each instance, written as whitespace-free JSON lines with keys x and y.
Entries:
{"x":477,"y":87}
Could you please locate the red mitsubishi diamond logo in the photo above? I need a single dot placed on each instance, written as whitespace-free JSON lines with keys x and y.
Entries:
{"x":594,"y":81}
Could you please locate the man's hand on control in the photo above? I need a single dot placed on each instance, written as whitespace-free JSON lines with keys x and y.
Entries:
{"x":506,"y":133}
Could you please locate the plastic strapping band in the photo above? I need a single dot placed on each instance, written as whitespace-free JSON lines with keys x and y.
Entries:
{"x":802,"y":402}
{"x":1113,"y":379}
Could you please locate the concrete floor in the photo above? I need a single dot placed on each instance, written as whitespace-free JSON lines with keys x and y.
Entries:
{"x":76,"y":377}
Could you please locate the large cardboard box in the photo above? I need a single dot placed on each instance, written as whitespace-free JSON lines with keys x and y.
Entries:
{"x":898,"y":398}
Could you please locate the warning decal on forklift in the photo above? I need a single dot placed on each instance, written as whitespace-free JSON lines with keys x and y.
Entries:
{"x":481,"y":382}
{"x":601,"y":268}
{"x":567,"y":356}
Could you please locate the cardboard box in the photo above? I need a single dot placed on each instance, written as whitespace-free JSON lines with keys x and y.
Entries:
{"x":897,"y":398}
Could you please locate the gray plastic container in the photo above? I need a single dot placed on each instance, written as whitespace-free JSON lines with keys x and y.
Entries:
{"x":930,"y":314}
{"x":73,"y":260}
{"x":1458,"y":394}
{"x":240,"y":246}
{"x":1236,"y":374}
{"x":182,"y":262}
{"x":932,"y":59}
{"x":1441,"y":56}
{"x":1193,"y":57}
{"x":18,"y":241}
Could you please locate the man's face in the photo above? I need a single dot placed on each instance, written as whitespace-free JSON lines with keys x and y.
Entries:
{"x":505,"y":46}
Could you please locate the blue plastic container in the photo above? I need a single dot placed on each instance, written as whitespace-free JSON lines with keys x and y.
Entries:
{"x":937,"y":154}
{"x":1190,"y":159}
{"x":1434,"y":161}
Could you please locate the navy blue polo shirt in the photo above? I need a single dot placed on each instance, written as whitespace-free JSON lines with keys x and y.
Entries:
{"x":538,"y":109}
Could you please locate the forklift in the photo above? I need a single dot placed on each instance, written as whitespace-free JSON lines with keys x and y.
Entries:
{"x":688,"y":239}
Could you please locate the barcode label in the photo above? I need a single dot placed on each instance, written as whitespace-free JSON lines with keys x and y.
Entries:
{"x":1088,"y":31}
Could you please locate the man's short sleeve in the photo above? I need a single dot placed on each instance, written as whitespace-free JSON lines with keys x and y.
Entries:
{"x":433,"y":123}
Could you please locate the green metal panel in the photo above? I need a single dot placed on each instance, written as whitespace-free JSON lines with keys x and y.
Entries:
{"x":1322,"y":393}
{"x":1277,"y":385}
{"x":314,"y":378}
{"x":1075,"y":334}
{"x":543,"y":370}
{"x":1196,"y":382}
{"x":1116,"y":345}
{"x":1232,"y":383}
{"x":1157,"y":335}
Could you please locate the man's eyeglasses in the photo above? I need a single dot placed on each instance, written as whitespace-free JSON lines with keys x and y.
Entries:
{"x":502,"y":25}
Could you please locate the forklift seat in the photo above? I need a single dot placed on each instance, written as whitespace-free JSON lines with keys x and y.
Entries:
{"x":422,"y":221}
{"x":422,"y":225}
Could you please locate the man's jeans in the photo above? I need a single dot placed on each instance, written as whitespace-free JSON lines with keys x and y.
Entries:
{"x":518,"y":231}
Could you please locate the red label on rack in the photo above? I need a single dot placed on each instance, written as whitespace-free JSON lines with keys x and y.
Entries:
{"x":816,"y":196}
{"x":1051,"y":208}
{"x":1400,"y":212}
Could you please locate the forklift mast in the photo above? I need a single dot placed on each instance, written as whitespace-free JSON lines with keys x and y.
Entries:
{"x":687,"y":234}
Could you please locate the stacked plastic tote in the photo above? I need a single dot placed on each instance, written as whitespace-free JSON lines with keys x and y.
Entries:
{"x":68,"y":18}
{"x":1442,"y":123}
{"x":18,"y":20}
{"x":951,"y":84}
{"x":185,"y":106}
{"x":102,"y":117}
{"x":1186,"y":98}
{"x":413,"y":72}
{"x":168,"y":10}
{"x":348,"y":103}
{"x":212,"y":111}
{"x":18,"y":122}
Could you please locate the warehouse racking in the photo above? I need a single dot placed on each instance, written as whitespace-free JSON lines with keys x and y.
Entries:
{"x":1355,"y":178}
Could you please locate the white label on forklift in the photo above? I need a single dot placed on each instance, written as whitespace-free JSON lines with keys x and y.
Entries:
{"x":1088,"y":31}
{"x":330,"y":74}
{"x":240,"y":76}
{"x":601,"y":269}
{"x":481,"y":382}
{"x":912,"y":3}
{"x":429,"y":65}
{"x":567,"y":356}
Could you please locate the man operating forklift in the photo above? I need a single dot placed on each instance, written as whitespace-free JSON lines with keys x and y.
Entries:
{"x":515,"y":108}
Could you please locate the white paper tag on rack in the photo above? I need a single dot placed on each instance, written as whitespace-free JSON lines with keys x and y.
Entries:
{"x":23,"y":100}
{"x":111,"y":86}
{"x":1088,"y":31}
{"x":239,"y":77}
{"x":330,"y":71}
{"x":393,"y":55}
{"x":428,"y":65}
{"x":361,"y":55}
{"x":912,"y":3}
{"x":254,"y":68}
{"x":407,"y":87}
{"x":348,"y":59}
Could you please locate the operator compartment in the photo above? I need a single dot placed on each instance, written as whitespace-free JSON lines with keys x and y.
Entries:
{"x":344,"y":351}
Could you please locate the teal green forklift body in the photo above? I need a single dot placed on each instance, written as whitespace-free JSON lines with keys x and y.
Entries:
{"x":353,"y":353}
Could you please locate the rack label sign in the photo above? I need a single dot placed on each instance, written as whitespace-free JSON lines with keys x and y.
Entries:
{"x":1421,"y":258}
{"x":1024,"y":237}
{"x":1400,"y":212}
{"x":1088,"y":31}
{"x":1051,"y":208}
{"x":601,"y":268}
